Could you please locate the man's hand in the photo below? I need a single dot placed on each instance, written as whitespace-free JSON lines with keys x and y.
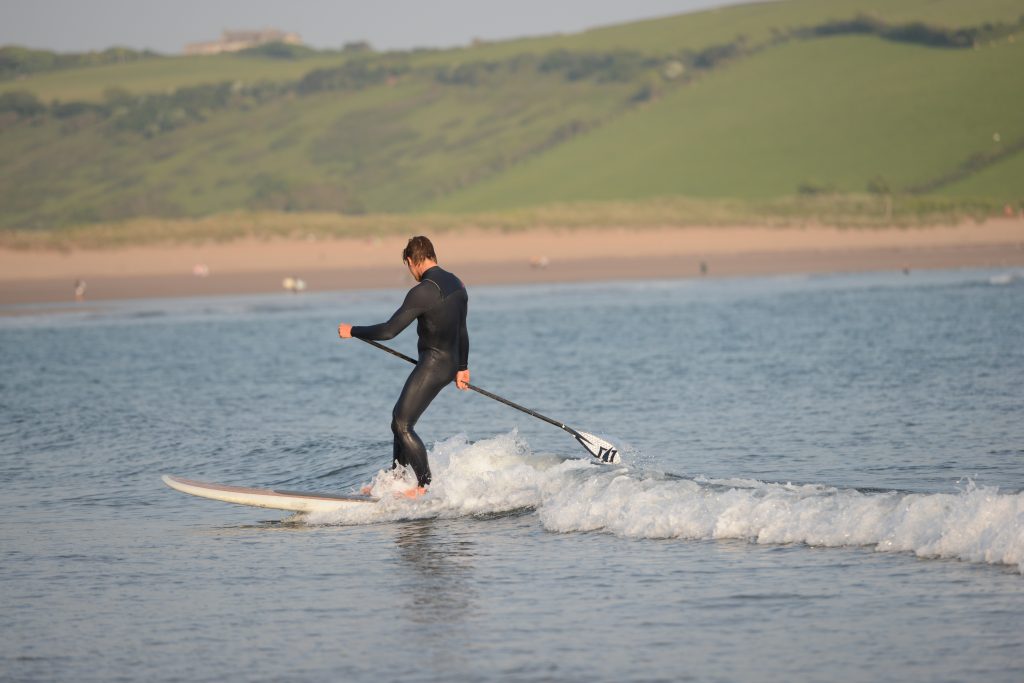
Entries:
{"x":345,"y":331}
{"x":462,"y":379}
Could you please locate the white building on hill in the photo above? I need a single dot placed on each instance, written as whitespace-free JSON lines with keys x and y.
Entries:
{"x":233,"y":41}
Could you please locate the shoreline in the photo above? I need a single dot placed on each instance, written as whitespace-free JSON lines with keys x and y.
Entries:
{"x":538,"y":256}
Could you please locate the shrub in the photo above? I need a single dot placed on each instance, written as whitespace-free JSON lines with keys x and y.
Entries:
{"x":67,"y":110}
{"x":357,"y":47}
{"x":279,"y":50}
{"x":353,"y":75}
{"x":621,"y":65}
{"x":465,"y":74}
{"x":710,"y":57}
{"x":810,"y":188}
{"x":879,"y":185}
{"x":22,"y":103}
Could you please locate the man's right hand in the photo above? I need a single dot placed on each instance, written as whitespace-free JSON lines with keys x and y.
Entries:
{"x":462,"y":379}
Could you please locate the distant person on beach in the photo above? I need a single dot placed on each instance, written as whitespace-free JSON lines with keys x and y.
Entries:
{"x":439,"y":303}
{"x":79,"y":290}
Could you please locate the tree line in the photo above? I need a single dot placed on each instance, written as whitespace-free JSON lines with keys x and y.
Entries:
{"x":18,"y":61}
{"x":915,"y":32}
{"x":154,"y":113}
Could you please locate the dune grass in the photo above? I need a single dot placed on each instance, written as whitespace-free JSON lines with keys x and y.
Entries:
{"x":842,"y":211}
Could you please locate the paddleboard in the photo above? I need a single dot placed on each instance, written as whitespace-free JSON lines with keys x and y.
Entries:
{"x":294,"y":501}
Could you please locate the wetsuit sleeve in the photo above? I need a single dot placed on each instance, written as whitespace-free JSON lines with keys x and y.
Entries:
{"x":420,"y":298}
{"x":464,"y":340}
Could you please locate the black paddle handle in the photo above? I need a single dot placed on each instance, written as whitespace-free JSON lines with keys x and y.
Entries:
{"x":486,"y":393}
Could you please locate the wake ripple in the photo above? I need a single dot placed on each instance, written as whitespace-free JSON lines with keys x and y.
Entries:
{"x":498,"y":475}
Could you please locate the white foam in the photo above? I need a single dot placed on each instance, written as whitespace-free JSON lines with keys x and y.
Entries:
{"x":492,"y":476}
{"x":978,"y":524}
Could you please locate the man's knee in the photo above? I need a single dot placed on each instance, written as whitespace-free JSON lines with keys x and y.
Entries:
{"x":399,"y":425}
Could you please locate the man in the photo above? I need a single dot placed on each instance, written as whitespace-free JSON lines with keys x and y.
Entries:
{"x":439,"y":305}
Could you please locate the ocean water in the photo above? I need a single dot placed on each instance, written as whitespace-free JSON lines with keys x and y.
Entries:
{"x":823,"y":480}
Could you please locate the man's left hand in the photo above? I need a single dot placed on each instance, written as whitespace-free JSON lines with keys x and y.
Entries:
{"x":462,"y":379}
{"x":345,"y":331}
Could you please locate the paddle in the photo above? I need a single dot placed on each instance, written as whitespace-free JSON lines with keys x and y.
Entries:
{"x":599,"y":448}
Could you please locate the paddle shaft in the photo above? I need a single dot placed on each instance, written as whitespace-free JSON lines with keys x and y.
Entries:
{"x":486,"y":393}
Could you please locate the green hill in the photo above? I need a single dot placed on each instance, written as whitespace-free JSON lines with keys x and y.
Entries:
{"x":746,"y":103}
{"x":831,"y":114}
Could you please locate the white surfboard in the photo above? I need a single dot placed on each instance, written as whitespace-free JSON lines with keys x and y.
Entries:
{"x":294,"y":501}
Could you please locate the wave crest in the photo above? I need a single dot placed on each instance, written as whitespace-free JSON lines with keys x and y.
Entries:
{"x":501,"y":474}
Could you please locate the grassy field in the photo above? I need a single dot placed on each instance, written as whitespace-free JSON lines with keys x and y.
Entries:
{"x":830,"y":113}
{"x":492,"y":132}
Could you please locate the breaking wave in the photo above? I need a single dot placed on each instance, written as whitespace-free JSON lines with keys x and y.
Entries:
{"x":501,"y":475}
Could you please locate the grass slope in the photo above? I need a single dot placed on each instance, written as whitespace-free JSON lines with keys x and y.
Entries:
{"x":383,"y":148}
{"x":835,"y":113}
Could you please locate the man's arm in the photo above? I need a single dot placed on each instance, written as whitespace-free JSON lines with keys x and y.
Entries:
{"x":462,"y":376}
{"x":416,"y":301}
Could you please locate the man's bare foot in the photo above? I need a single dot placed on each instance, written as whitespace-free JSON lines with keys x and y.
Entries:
{"x":366,"y":490}
{"x":413,"y":492}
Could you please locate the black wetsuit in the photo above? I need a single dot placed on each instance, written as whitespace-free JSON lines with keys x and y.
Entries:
{"x":439,"y":303}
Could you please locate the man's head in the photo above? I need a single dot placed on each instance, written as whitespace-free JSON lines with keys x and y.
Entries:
{"x":417,"y":254}
{"x":419,"y":249}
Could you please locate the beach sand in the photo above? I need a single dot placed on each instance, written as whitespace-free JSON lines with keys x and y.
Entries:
{"x":489,"y":257}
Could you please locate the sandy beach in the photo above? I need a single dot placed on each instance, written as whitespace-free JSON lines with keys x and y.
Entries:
{"x":489,"y":257}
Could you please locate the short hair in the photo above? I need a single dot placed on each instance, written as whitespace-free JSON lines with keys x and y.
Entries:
{"x":419,"y":249}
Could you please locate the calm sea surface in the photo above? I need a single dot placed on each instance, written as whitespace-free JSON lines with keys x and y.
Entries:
{"x":823,"y":481}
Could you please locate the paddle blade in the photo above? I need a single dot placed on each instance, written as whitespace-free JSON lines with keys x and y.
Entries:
{"x":599,"y":448}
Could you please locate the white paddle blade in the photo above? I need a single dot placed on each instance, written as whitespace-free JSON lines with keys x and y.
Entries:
{"x":599,"y":448}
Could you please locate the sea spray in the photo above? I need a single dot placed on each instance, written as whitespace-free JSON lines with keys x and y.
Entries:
{"x":491,"y":476}
{"x":501,"y":474}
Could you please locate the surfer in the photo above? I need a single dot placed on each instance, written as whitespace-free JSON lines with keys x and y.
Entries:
{"x":438,"y":303}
